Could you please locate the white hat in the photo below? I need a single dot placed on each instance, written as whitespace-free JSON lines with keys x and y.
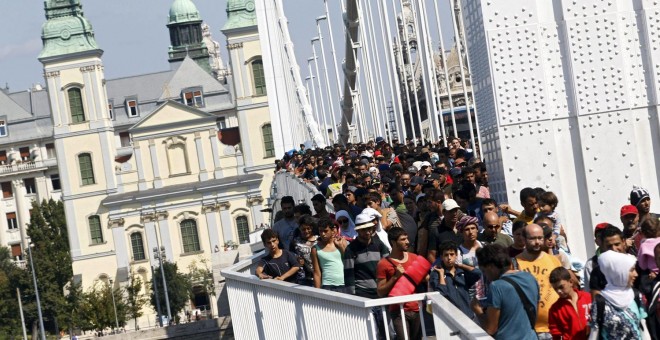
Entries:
{"x":363,"y":221}
{"x":425,"y":163}
{"x":449,"y":204}
{"x":417,"y":164}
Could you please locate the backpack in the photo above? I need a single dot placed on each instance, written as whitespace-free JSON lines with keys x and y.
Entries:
{"x":600,"y":311}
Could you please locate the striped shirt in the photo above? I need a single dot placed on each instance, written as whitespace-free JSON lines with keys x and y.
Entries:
{"x":360,"y":262}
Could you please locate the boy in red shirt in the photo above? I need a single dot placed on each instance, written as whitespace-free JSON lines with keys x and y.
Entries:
{"x":569,"y":316}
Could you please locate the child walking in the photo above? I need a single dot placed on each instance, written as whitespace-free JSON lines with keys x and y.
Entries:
{"x":569,"y":316}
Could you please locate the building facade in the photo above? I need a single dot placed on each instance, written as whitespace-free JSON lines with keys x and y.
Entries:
{"x":180,"y":160}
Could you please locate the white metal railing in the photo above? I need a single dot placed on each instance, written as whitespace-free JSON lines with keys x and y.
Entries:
{"x":24,"y":165}
{"x":270,"y":309}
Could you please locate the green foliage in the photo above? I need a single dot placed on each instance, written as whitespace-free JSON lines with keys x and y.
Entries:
{"x":199,"y":275}
{"x":178,"y":288}
{"x":51,"y":256}
{"x":99,"y":309}
{"x":135,"y":300}
{"x":10,"y":278}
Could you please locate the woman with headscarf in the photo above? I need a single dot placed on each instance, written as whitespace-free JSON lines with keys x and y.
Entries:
{"x":615,"y":313}
{"x":346,"y":225}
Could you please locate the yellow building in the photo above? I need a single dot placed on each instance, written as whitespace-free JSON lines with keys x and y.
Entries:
{"x":180,"y":159}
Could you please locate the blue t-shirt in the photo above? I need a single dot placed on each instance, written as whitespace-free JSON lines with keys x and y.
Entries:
{"x":513,"y":318}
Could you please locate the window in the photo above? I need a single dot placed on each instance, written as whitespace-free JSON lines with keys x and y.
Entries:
{"x":30,"y":186}
{"x":110,"y":112}
{"x":193,"y":98}
{"x":3,"y":128}
{"x":125,"y":139}
{"x":86,"y":170}
{"x":55,"y":181}
{"x":3,"y":157}
{"x":12,"y":223}
{"x":267,"y":133}
{"x":25,"y":153}
{"x":243,"y":229}
{"x":132,"y":108}
{"x":95,"y":229}
{"x":258,"y":77}
{"x":16,"y":252}
{"x":222,"y":123}
{"x":189,"y":236}
{"x":138,"y":246}
{"x":7,"y":191}
{"x":50,"y":151}
{"x":76,"y":105}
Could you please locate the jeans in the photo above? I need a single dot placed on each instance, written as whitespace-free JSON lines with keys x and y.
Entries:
{"x":378,"y":319}
{"x":413,"y":325}
{"x":338,"y":289}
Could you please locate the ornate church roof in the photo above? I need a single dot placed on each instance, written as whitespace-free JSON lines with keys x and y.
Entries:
{"x":66,"y":30}
{"x":240,"y":13}
{"x":183,"y":11}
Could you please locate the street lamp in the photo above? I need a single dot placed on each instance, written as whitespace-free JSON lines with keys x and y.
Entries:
{"x":153,"y":275}
{"x":36,"y":292}
{"x":114,"y":305}
{"x":160,"y":255}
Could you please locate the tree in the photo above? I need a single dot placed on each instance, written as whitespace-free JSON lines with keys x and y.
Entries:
{"x":200,"y":278}
{"x":135,"y":300}
{"x":11,"y":277}
{"x":51,"y":256}
{"x":74,"y":314}
{"x":178,"y":288}
{"x":99,"y":306}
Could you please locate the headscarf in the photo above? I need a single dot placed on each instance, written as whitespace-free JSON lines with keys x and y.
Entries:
{"x":616,"y":268}
{"x":465,"y":221}
{"x":350,"y":231}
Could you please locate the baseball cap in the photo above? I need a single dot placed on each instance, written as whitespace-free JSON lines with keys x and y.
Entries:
{"x":379,"y":140}
{"x":637,"y":195}
{"x":416,"y":180}
{"x":351,"y":189}
{"x":417,"y":164}
{"x":601,"y":226}
{"x":413,"y":169}
{"x":449,"y":204}
{"x":425,"y":163}
{"x":629,"y":210}
{"x":363,"y":221}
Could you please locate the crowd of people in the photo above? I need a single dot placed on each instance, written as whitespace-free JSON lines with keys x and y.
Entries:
{"x":412,"y":217}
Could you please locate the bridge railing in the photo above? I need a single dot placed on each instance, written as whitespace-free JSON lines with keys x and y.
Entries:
{"x":271,"y":309}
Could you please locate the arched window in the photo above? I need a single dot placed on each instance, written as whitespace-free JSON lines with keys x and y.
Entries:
{"x":269,"y":147}
{"x":258,"y":78}
{"x":86,"y":169}
{"x":243,"y":229}
{"x":189,"y":236}
{"x":76,"y":105}
{"x":95,"y":229}
{"x":137,"y":246}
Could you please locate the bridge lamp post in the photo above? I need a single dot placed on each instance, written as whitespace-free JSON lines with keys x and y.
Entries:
{"x":36,"y":292}
{"x":159,"y":253}
{"x":114,"y":305}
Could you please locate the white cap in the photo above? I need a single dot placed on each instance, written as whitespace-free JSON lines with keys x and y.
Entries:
{"x":449,"y":204}
{"x":363,"y":221}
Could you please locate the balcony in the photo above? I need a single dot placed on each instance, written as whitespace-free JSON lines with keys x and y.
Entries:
{"x":26,"y":166}
{"x":270,"y":309}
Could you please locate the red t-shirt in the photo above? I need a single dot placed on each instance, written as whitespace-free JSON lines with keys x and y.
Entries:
{"x":385,"y":270}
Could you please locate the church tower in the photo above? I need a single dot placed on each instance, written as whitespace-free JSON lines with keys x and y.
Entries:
{"x":186,"y":36}
{"x":82,"y":128}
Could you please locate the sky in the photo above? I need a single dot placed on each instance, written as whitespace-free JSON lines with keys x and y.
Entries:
{"x":135,"y":39}
{"x":132,"y":34}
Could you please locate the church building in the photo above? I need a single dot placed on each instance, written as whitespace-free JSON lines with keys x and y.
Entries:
{"x":180,"y":160}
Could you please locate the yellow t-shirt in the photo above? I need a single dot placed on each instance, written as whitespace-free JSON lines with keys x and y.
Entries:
{"x":523,"y":217}
{"x":540,"y":269}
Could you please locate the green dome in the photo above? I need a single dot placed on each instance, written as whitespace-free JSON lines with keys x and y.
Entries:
{"x":66,"y":31}
{"x":183,"y":11}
